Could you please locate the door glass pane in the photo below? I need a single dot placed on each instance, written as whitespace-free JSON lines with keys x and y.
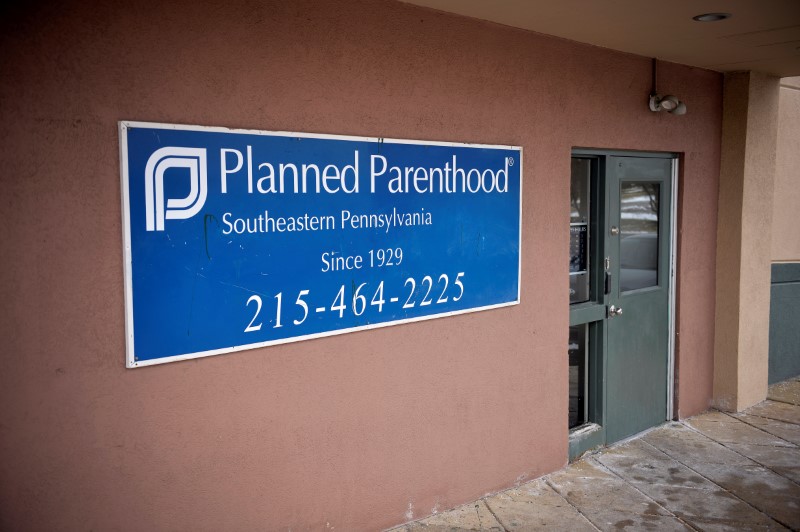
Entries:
{"x":578,"y":264}
{"x":577,"y":374}
{"x":579,"y":231}
{"x":579,"y":190}
{"x":638,"y":235}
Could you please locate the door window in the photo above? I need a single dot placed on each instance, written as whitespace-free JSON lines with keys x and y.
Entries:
{"x":579,"y":230}
{"x":578,"y":384}
{"x":582,"y":283}
{"x":638,"y":246}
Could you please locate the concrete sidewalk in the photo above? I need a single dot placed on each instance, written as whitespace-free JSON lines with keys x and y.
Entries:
{"x":715,"y":471}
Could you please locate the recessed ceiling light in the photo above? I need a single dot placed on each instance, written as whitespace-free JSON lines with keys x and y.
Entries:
{"x":711,"y":17}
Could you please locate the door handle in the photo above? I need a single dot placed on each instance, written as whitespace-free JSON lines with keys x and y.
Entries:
{"x":614,"y":311}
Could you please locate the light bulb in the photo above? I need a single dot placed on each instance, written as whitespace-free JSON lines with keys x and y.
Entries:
{"x":680,"y":110}
{"x":670,"y":103}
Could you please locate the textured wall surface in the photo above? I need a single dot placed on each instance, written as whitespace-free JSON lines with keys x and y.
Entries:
{"x":784,"y":335}
{"x":785,"y":229}
{"x":363,"y":430}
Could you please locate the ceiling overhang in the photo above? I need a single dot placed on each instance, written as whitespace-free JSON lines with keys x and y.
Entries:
{"x":761,"y":35}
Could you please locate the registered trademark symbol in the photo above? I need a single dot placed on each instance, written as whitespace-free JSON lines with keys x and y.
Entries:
{"x":510,"y":161}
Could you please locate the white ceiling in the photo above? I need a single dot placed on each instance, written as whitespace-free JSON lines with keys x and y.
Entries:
{"x":762,"y":35}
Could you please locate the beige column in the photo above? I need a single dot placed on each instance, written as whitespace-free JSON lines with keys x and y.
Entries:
{"x":744,"y":222}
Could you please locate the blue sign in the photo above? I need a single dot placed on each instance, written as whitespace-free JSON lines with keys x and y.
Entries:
{"x":238,"y":239}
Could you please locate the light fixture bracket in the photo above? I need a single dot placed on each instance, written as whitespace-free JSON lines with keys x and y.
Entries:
{"x":668,"y":102}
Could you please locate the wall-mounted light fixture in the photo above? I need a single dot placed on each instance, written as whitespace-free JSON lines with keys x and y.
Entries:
{"x":668,"y":103}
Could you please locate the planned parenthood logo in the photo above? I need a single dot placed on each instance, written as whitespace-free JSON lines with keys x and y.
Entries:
{"x":157,"y":207}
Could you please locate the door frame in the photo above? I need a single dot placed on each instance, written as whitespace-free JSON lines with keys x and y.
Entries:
{"x":673,"y":272}
{"x":592,"y":434}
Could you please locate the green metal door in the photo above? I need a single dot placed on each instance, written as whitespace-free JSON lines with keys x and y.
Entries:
{"x":637,"y":245}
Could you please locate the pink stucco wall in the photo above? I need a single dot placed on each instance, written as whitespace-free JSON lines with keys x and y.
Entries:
{"x":357,"y":431}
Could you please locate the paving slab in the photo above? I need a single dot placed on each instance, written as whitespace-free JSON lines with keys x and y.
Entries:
{"x":536,"y":505}
{"x":727,"y":525}
{"x":763,"y":489}
{"x":785,"y":392}
{"x":679,"y":489}
{"x":733,"y":430}
{"x":608,"y":501}
{"x":602,"y":492}
{"x":713,"y":415}
{"x":616,"y":520}
{"x":586,"y":468}
{"x":787,"y":431}
{"x":638,"y":462}
{"x":775,"y":410}
{"x":472,"y":516}
{"x":715,"y":505}
{"x":688,"y":446}
{"x":784,"y":461}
